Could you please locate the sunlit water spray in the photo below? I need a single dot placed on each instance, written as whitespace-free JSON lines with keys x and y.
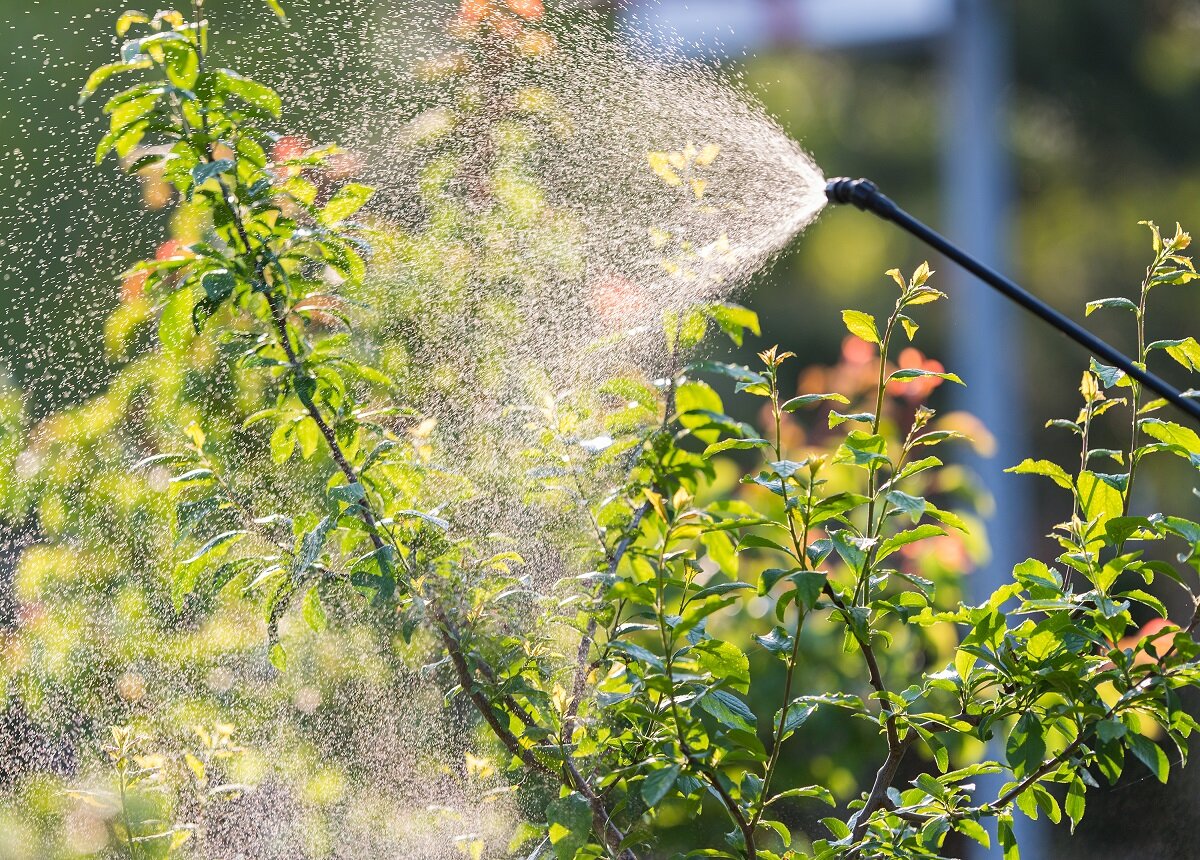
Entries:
{"x":609,"y":188}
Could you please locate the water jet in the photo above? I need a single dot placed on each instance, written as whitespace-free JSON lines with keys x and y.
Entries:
{"x":865,"y":195}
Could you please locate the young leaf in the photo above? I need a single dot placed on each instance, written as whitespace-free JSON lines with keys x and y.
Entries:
{"x":345,"y":203}
{"x":175,"y":327}
{"x":252,"y":92}
{"x":1053,"y":471}
{"x":861,"y":325}
{"x":1075,"y":802}
{"x":728,"y":444}
{"x":917,"y":373}
{"x":1186,"y":351}
{"x":313,"y":612}
{"x":904,"y":538}
{"x":809,"y":399}
{"x":1115,"y":302}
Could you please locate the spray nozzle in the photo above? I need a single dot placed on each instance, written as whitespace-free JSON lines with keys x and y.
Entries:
{"x":862,"y":193}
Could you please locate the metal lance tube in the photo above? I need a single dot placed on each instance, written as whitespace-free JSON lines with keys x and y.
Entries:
{"x":864,"y":194}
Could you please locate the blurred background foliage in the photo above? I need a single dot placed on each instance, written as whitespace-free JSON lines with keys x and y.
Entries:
{"x":1102,"y":130}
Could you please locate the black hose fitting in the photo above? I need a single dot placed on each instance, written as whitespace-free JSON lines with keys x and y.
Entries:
{"x":862,"y":193}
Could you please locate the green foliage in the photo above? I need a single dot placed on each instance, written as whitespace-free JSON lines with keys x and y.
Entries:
{"x":646,"y":712}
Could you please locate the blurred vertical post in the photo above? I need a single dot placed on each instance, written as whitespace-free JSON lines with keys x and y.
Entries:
{"x":985,"y":328}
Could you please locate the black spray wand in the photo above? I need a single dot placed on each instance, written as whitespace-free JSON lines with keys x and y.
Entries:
{"x":864,"y":194}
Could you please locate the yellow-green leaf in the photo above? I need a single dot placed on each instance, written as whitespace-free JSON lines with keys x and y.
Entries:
{"x":861,"y":325}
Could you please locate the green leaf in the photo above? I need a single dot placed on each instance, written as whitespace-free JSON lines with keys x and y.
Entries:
{"x":187,"y":572}
{"x":1186,"y":351}
{"x":720,"y":588}
{"x":916,"y":373}
{"x":437,"y":522}
{"x":1100,"y":500}
{"x":1008,"y":838}
{"x":1150,"y":754}
{"x":753,"y":541}
{"x":852,"y":549}
{"x":809,"y":586}
{"x":837,"y":419}
{"x":809,"y":399}
{"x":737,"y":372}
{"x":1109,"y":376}
{"x":250,"y":91}
{"x":175,"y":328}
{"x":973,"y":830}
{"x":218,"y":286}
{"x":820,"y":792}
{"x":128,"y":20}
{"x":308,"y":435}
{"x":1026,"y":746}
{"x":740,"y":444}
{"x":834,"y":506}
{"x":312,"y":611}
{"x":778,"y":641}
{"x":1115,"y":302}
{"x":310,"y":547}
{"x":278,"y":657}
{"x":345,"y":203}
{"x":734,"y":320}
{"x":729,"y":710}
{"x":205,"y":171}
{"x":570,"y":824}
{"x":725,"y":662}
{"x":837,"y":827}
{"x":862,"y":449}
{"x":183,"y":63}
{"x":904,"y":538}
{"x":1053,"y":471}
{"x":1172,"y":434}
{"x":1108,"y":730}
{"x":1046,"y":802}
{"x":797,"y":715}
{"x":283,"y":442}
{"x":98,"y":78}
{"x":1146,"y":599}
{"x":1075,"y":802}
{"x":658,"y":784}
{"x":348,"y":493}
{"x":861,"y":325}
{"x":1038,"y":578}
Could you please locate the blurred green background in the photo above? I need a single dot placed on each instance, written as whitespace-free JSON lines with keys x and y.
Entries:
{"x":1101,"y":126}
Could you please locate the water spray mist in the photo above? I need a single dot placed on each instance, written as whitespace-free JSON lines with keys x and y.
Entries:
{"x":864,"y":194}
